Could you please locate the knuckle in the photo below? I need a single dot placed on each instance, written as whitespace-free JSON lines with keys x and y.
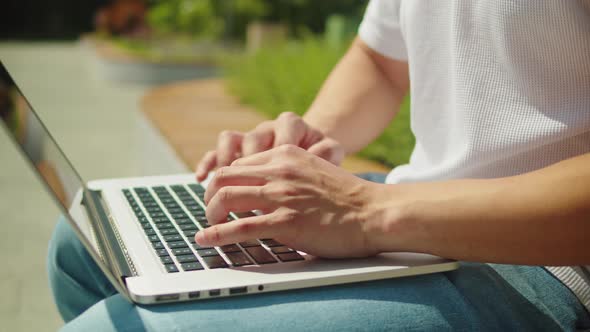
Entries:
{"x":287,"y":149}
{"x":264,"y":191}
{"x":287,"y":189}
{"x":246,"y":227}
{"x":221,"y":173}
{"x":224,"y":134}
{"x":287,"y":215}
{"x":224,"y":194}
{"x":228,"y":134}
{"x":287,"y":116}
{"x":253,"y":137}
{"x":287,"y":171}
{"x":214,"y":234}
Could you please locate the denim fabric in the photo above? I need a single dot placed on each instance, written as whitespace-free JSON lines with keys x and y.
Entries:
{"x":483,"y":297}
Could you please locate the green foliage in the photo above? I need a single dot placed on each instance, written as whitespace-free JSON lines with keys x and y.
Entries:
{"x":212,"y":18}
{"x":287,"y":78}
{"x":192,"y":17}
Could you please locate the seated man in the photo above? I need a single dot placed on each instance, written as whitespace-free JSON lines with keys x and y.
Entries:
{"x":499,"y":174}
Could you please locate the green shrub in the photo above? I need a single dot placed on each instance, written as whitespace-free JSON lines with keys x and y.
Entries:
{"x":287,"y":78}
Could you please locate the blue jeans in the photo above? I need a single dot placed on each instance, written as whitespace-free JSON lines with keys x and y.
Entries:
{"x":485,"y":297}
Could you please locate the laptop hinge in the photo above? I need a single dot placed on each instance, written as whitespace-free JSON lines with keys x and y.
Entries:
{"x":107,"y":235}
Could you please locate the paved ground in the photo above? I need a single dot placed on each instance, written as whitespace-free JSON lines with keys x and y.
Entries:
{"x":59,"y":81}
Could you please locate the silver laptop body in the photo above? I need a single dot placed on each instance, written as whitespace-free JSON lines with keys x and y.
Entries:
{"x":140,"y":231}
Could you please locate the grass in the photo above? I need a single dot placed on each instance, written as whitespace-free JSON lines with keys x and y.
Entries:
{"x":287,"y":77}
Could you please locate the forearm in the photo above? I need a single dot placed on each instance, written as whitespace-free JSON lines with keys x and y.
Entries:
{"x":539,"y":218}
{"x":360,"y":97}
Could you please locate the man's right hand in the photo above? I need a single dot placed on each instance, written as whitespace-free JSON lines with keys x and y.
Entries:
{"x":288,"y":128}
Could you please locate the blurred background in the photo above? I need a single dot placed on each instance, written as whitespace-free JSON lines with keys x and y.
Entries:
{"x":117,"y":81}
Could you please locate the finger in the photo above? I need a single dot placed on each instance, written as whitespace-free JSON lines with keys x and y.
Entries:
{"x":312,"y":136}
{"x":235,"y":176}
{"x":207,"y":163}
{"x":289,"y":129}
{"x":328,"y":149}
{"x":238,"y":199}
{"x":257,"y":227}
{"x":229,"y":147}
{"x":265,"y":157}
{"x":259,"y":139}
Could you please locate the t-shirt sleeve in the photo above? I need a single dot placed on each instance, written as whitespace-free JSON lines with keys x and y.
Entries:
{"x":381,"y":29}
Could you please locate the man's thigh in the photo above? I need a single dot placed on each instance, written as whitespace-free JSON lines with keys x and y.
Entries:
{"x":428,"y":301}
{"x":476,"y":297}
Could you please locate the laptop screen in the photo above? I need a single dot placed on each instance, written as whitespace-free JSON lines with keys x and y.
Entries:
{"x":27,"y":130}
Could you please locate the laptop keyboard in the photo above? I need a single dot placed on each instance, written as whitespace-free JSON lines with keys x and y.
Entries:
{"x":170,"y":216}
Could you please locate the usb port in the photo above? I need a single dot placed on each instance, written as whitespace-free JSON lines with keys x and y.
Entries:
{"x":194,"y":295}
{"x":238,"y":290}
{"x":214,"y":292}
{"x":167,"y":297}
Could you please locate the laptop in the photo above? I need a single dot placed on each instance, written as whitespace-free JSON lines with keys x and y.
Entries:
{"x":140,"y":231}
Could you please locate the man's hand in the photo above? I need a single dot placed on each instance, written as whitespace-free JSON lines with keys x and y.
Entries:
{"x":288,"y":128}
{"x":308,"y":204}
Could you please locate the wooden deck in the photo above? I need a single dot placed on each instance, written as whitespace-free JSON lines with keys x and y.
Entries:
{"x":190,"y":115}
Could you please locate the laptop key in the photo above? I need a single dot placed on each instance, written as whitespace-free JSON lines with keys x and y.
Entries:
{"x":182,"y":251}
{"x":190,"y":233}
{"x":272,"y":243}
{"x":187,"y":227}
{"x":250,"y":243}
{"x":183,"y":221}
{"x":289,"y":257}
{"x":187,"y":258}
{"x":166,"y":259}
{"x":207,"y":252}
{"x":161,"y":220}
{"x":164,"y":225}
{"x":196,"y":188}
{"x":175,"y":210}
{"x":161,"y":252}
{"x":153,"y":238}
{"x":198,"y":246}
{"x":238,"y":258}
{"x":168,"y":231}
{"x":215,"y":262}
{"x":171,"y":268}
{"x":192,"y":266}
{"x":178,"y":244}
{"x":260,"y":255}
{"x":230,"y":248}
{"x":158,"y":245}
{"x":149,"y":231}
{"x":173,"y":237}
{"x":281,"y":250}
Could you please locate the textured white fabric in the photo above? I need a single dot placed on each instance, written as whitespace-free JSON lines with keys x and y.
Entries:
{"x":498,"y":87}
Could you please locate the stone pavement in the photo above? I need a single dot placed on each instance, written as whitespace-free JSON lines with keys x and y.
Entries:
{"x":94,"y":122}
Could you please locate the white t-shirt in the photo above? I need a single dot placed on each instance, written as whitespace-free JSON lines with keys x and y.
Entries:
{"x":498,"y":88}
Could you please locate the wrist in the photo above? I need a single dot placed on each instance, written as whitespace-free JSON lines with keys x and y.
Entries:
{"x":394,"y":225}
